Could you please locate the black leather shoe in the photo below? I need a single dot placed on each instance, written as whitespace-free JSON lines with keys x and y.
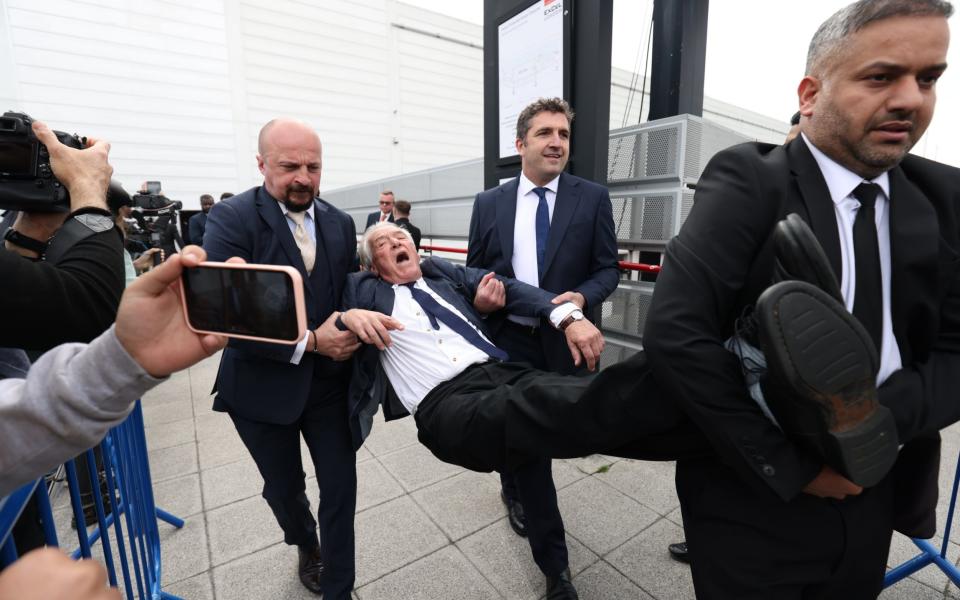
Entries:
{"x":310,"y":568}
{"x":515,"y":514}
{"x":820,"y":382}
{"x":680,"y":552}
{"x":798,"y":256}
{"x":561,"y":588}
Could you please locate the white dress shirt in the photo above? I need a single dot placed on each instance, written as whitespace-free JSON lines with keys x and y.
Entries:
{"x":841,"y":182}
{"x":524,"y":258}
{"x":420,"y":357}
{"x":308,"y":224}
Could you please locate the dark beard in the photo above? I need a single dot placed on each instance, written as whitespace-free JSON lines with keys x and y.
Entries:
{"x":290,"y":204}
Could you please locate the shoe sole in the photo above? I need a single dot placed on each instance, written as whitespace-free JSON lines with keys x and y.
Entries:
{"x":829,"y":360}
{"x":798,"y":251}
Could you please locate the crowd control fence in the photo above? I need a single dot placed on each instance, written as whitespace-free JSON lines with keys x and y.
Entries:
{"x":124,"y":504}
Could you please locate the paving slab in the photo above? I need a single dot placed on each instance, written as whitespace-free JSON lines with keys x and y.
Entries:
{"x":444,"y":574}
{"x":649,"y":483}
{"x":504,"y":558}
{"x":601,"y":516}
{"x":179,"y":496}
{"x":231,"y":482}
{"x":198,"y":587}
{"x":462,"y":504}
{"x":415,"y":467}
{"x":269,"y":574}
{"x":392,"y":535}
{"x":168,"y":463}
{"x":167,"y":435}
{"x":375,"y":485}
{"x":603,"y":581}
{"x":645,"y":561}
{"x":240,"y":529}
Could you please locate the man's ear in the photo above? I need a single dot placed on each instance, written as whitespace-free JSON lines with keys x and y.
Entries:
{"x":807,"y":93}
{"x":519,"y":144}
{"x":261,"y":164}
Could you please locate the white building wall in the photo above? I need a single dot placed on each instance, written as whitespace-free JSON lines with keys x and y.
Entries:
{"x":181,"y":87}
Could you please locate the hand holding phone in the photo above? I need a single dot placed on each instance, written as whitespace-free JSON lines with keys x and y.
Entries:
{"x":248,"y":301}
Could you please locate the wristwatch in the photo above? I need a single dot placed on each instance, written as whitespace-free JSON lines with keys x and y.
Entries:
{"x":569,"y":319}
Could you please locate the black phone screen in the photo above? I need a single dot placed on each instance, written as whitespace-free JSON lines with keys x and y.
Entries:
{"x":241,"y":302}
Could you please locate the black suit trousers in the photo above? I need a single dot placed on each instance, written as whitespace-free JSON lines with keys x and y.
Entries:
{"x":276,"y":450}
{"x":754,"y":546}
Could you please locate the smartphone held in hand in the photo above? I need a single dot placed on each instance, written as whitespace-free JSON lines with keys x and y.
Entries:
{"x":248,"y":301}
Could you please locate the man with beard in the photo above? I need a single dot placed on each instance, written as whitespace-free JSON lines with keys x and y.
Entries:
{"x":276,"y":393}
{"x":765,"y":518}
{"x":198,"y":222}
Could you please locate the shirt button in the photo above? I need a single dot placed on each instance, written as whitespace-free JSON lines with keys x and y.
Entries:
{"x":454,"y":359}
{"x":439,"y":341}
{"x":418,"y":313}
{"x":769,"y":471}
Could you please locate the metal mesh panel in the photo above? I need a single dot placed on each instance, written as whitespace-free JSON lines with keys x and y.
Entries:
{"x":621,"y":162}
{"x":661,"y":151}
{"x":629,"y":306}
{"x":692,"y":156}
{"x":623,"y":217}
{"x":656,"y":217}
{"x":686,"y":205}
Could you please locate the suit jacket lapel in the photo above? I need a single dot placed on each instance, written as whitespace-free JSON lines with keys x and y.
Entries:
{"x":568,"y":199}
{"x":914,"y":248}
{"x":816,"y":198}
{"x":270,"y":212}
{"x":330,"y":238}
{"x":506,"y":210}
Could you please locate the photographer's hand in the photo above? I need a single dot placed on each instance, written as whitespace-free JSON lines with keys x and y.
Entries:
{"x":150,"y":321}
{"x":86,"y":173}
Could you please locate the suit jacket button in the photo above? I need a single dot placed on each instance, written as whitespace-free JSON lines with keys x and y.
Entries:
{"x":768,"y":470}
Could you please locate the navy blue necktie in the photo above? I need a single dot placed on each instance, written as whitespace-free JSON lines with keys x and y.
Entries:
{"x":543,"y":227}
{"x":868,"y":292}
{"x":436,"y":311}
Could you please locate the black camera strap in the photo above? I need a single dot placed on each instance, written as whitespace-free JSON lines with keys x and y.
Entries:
{"x":78,"y":226}
{"x":15,"y":237}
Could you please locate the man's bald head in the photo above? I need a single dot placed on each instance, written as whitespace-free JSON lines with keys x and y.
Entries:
{"x":289,"y":156}
{"x":281,"y":126}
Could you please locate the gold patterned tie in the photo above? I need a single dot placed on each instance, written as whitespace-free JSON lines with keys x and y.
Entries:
{"x":308,"y":249}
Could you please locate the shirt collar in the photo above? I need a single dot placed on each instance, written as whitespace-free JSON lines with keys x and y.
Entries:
{"x":308,"y":212}
{"x":841,"y":181}
{"x":526,"y":186}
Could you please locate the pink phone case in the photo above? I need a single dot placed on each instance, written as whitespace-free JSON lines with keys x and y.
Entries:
{"x":299,"y":305}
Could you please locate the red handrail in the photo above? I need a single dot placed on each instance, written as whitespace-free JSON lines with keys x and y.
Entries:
{"x":624,"y":265}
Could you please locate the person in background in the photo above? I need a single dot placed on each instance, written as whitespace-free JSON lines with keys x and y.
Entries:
{"x":401,"y":210}
{"x":386,"y":210}
{"x":198,"y":222}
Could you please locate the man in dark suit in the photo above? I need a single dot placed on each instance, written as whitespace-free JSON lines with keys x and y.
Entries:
{"x":401,"y":209}
{"x":763,"y":517}
{"x":444,"y":369}
{"x":554,"y":231}
{"x":198,"y":222}
{"x":386,"y":210}
{"x":276,"y":393}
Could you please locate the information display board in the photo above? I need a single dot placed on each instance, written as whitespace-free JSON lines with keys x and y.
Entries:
{"x":530,"y":64}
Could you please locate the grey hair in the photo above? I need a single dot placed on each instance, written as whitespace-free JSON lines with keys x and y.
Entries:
{"x":833,"y":34}
{"x":364,"y":249}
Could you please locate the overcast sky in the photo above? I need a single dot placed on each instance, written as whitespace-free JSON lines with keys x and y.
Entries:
{"x":756,"y":50}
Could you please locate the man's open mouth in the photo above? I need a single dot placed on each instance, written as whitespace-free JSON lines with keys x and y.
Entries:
{"x":402,"y":257}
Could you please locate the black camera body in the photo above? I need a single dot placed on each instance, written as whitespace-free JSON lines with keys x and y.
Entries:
{"x":26,"y":180}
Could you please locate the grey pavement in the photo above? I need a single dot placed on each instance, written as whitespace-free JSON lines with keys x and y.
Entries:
{"x":425,"y":530}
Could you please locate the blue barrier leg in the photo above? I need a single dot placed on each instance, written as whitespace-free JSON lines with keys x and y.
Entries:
{"x":94,"y":474}
{"x":173,"y":520}
{"x":77,"y":504}
{"x":46,"y":515}
{"x":116,"y":508}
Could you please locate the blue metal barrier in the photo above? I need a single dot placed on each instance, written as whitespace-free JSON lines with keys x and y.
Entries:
{"x":129,"y":500}
{"x":928,"y":553}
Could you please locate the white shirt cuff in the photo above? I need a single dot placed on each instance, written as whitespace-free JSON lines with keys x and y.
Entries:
{"x":300,"y":349}
{"x":561,"y":312}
